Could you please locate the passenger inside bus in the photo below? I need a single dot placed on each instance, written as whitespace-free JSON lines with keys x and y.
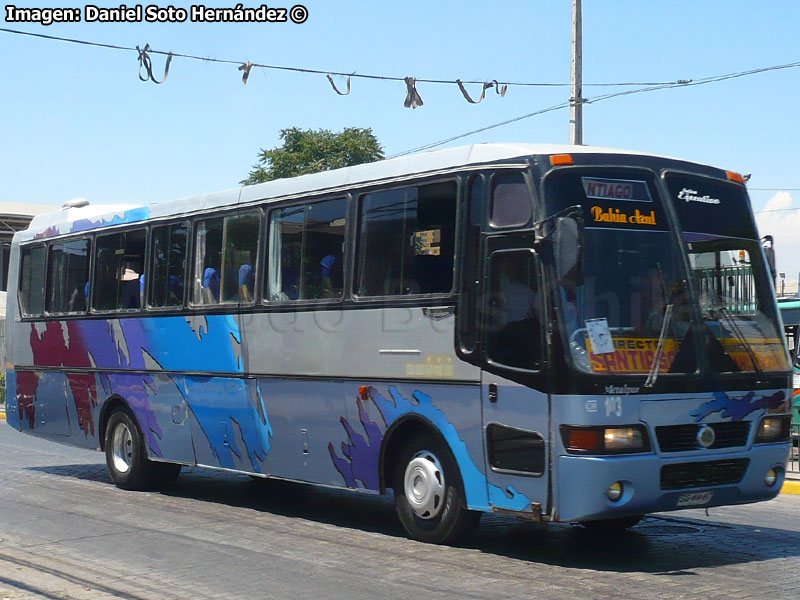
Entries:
{"x":129,"y":290}
{"x":246,"y":283}
{"x":327,"y":264}
{"x":210,"y":285}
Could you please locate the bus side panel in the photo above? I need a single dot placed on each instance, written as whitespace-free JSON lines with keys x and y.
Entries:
{"x":230,"y":428}
{"x":453,"y":410}
{"x":306,"y":416}
{"x":169,"y":419}
{"x":41,"y":403}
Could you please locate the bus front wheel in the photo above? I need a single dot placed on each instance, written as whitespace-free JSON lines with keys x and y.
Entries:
{"x":126,"y":456}
{"x":429,"y":496}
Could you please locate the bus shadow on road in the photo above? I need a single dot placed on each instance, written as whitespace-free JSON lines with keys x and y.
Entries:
{"x":339,"y":507}
{"x":670,"y":546}
{"x":666,"y":545}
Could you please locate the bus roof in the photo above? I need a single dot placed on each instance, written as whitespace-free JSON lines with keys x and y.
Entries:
{"x":76,"y":219}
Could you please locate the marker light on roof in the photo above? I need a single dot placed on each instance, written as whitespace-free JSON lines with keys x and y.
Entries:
{"x":734,"y":176}
{"x":561,"y":159}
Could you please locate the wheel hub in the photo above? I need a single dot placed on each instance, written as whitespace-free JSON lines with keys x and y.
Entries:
{"x":122,"y":448}
{"x":424,"y":485}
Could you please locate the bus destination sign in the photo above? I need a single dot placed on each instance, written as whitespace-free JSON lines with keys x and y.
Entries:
{"x":616,"y":189}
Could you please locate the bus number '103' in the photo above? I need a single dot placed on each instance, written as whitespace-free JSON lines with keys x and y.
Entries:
{"x":613,"y":406}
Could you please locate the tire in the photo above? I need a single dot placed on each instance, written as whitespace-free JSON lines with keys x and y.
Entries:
{"x":429,"y":494}
{"x":612,"y":525}
{"x":126,"y":456}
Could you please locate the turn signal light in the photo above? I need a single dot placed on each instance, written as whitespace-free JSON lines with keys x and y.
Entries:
{"x":586,"y":440}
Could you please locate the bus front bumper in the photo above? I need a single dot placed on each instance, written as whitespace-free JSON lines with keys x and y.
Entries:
{"x":584,"y":480}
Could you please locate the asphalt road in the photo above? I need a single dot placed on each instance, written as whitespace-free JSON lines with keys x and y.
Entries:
{"x":67,"y":532}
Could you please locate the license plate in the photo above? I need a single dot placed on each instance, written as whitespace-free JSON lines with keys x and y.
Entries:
{"x":696,"y":499}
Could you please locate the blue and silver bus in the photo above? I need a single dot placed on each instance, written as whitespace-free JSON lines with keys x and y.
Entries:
{"x":551,"y":332}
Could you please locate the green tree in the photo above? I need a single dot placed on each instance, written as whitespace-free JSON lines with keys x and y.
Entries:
{"x":310,"y":151}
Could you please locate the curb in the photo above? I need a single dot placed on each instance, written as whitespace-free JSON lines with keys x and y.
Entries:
{"x":791,"y":487}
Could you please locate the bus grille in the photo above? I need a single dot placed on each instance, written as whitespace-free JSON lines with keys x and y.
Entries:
{"x":702,"y":474}
{"x":680,"y":438}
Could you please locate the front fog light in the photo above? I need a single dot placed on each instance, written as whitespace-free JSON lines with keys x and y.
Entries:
{"x":771,"y":478}
{"x":614,"y":491}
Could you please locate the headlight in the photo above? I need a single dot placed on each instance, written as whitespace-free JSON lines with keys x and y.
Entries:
{"x":773,"y":429}
{"x":605,"y":440}
{"x":623,"y":438}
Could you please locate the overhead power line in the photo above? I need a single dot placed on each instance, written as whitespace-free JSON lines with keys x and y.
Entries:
{"x":413,"y":99}
{"x":641,"y":90}
{"x":772,"y":210}
{"x":309,"y":70}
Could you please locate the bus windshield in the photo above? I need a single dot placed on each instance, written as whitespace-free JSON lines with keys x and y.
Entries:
{"x":730,"y":280}
{"x":632,"y":290}
{"x":634,"y":311}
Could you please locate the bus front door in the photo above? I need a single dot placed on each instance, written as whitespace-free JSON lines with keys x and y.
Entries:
{"x":513,"y":378}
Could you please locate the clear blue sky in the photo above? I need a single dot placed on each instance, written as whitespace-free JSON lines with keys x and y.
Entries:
{"x":77,"y":122}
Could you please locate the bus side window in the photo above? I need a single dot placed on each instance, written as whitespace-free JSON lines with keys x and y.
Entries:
{"x":285,"y":251}
{"x":514,"y":316}
{"x":407,"y":241}
{"x":324,"y":248}
{"x":306,"y":251}
{"x":168,"y":265}
{"x":511,"y":200}
{"x":67,"y":276}
{"x":207,"y":261}
{"x":240,"y":250}
{"x":31,"y":295}
{"x":119,"y":265}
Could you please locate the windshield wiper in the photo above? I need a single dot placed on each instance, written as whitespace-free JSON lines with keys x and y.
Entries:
{"x":722,"y":310}
{"x":665,"y":323}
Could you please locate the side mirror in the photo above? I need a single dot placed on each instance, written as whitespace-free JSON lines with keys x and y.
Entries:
{"x":568,"y":249}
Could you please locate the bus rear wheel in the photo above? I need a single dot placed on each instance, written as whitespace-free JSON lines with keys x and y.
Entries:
{"x":428,"y":492}
{"x":126,"y":456}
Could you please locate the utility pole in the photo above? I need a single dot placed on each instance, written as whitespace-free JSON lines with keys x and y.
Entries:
{"x":576,"y":99}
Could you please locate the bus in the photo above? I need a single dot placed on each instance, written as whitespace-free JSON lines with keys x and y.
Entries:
{"x":790,"y":313}
{"x":550,"y":332}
